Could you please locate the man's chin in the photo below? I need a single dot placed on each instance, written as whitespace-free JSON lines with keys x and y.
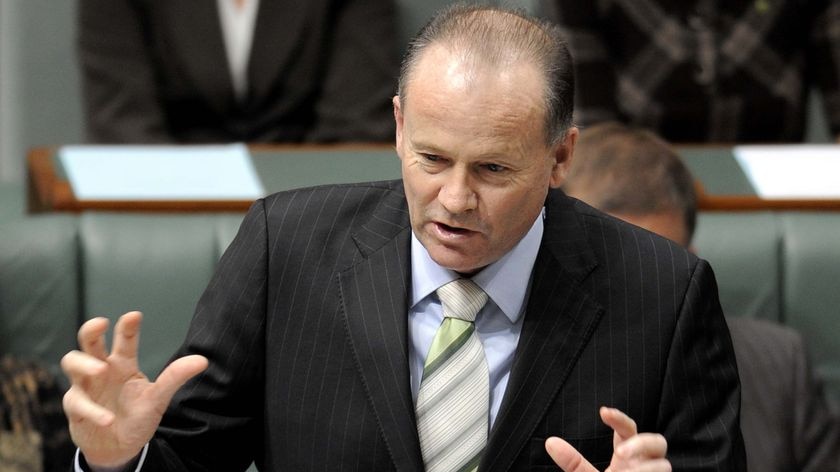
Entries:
{"x":455,"y":260}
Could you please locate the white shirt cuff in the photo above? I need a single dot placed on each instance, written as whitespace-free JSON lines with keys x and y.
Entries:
{"x":78,"y":467}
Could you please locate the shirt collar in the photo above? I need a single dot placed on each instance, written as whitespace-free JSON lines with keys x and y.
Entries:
{"x":505,"y":281}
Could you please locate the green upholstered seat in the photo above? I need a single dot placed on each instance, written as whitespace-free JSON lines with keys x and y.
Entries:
{"x":40,"y":289}
{"x":156,"y":264}
{"x":811,"y":294}
{"x":12,"y":204}
{"x":743,"y":249}
{"x":58,"y":270}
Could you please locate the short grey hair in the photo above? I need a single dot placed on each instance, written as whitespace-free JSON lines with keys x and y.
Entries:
{"x":622,"y":169}
{"x":494,"y":34}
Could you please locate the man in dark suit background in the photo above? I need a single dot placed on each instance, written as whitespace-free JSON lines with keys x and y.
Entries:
{"x":787,"y":425}
{"x":308,"y":346}
{"x":185,"y":71}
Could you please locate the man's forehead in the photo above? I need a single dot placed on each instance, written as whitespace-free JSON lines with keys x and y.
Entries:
{"x":444,"y":66}
{"x":438,"y":65}
{"x":446,"y":69}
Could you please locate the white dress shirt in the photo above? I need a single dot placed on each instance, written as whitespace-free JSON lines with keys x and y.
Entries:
{"x":238,"y":19}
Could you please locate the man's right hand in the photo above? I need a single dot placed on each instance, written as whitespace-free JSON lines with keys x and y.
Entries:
{"x":114,"y":409}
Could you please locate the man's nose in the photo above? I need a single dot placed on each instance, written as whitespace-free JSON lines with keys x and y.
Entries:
{"x":457,"y":195}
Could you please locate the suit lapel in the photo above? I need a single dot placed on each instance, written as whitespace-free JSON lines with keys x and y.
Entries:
{"x":559,"y":321}
{"x":374,"y":296}
{"x":197,"y":42}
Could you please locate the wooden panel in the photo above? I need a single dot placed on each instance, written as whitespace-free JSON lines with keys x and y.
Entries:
{"x":49,"y":189}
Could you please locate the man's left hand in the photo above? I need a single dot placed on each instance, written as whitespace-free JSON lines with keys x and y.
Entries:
{"x":631,"y":451}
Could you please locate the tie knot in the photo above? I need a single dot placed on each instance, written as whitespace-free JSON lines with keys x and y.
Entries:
{"x":461,"y":299}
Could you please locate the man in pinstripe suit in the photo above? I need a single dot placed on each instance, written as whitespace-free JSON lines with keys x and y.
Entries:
{"x":786,"y":422}
{"x":305,"y":346}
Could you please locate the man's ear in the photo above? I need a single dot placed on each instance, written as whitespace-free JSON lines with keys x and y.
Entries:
{"x":398,"y":119}
{"x":563,"y":154}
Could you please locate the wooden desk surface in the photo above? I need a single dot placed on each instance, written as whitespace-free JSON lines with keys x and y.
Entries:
{"x":279,"y":167}
{"x":721,"y":184}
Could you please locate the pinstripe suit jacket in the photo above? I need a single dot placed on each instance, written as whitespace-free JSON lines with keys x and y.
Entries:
{"x":305,"y":327}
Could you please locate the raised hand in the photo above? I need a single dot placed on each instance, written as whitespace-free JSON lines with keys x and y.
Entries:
{"x":631,"y":451}
{"x":114,"y":409}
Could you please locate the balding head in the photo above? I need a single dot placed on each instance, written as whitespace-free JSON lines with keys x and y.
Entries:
{"x":494,"y":39}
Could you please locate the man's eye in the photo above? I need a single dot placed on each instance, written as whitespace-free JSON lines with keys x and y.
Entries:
{"x":494,"y":167}
{"x":430,"y":157}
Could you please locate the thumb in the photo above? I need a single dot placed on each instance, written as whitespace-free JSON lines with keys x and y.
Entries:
{"x":566,"y":456}
{"x":176,"y":375}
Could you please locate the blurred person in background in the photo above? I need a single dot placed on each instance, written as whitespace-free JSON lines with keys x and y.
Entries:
{"x":704,"y":70}
{"x":636,"y":176}
{"x":178,"y":71}
{"x":33,"y":430}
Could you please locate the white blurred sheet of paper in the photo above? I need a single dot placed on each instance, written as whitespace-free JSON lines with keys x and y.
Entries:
{"x":160,"y":172}
{"x":792,"y":171}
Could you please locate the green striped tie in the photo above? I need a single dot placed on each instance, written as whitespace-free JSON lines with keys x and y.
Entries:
{"x":453,"y":403}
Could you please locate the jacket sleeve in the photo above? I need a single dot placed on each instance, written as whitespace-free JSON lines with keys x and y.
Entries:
{"x":700,"y":405}
{"x":215,"y":422}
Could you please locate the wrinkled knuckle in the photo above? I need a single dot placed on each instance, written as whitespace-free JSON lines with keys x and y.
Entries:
{"x":575,"y":463}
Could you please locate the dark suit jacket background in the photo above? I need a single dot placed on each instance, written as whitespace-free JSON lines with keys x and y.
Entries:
{"x":305,"y":328}
{"x":156,"y":71}
{"x":786,"y":422}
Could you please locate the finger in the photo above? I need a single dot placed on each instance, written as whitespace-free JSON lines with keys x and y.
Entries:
{"x":176,"y":375}
{"x":79,"y":407}
{"x":623,"y":425}
{"x":127,"y":335}
{"x":643,"y":446}
{"x":79,"y":366}
{"x":657,"y":465}
{"x":92,"y":337}
{"x":567,"y":457}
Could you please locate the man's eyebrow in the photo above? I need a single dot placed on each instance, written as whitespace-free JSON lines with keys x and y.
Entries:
{"x":419,"y":145}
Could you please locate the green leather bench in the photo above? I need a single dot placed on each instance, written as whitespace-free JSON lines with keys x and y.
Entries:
{"x":58,"y":270}
{"x":781,"y":266}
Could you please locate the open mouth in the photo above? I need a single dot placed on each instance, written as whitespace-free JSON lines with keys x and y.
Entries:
{"x":453,"y":230}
